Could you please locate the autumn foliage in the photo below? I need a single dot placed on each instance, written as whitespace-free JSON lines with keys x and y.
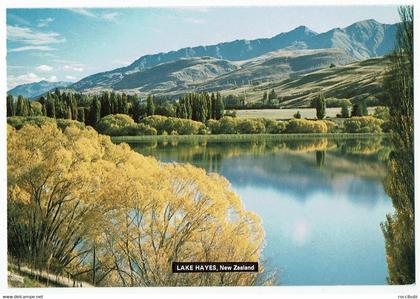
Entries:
{"x":81,"y":205}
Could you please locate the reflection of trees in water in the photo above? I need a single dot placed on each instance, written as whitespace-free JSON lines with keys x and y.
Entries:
{"x":360,"y":146}
{"x":345,"y":154}
{"x":308,"y":145}
{"x":320,"y":158}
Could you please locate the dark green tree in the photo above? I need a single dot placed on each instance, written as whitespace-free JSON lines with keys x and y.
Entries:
{"x":22,"y":108}
{"x":95,"y":112}
{"x":137,"y":110}
{"x":73,"y":106}
{"x":81,"y":114}
{"x":69,"y":115}
{"x":345,"y":111}
{"x":220,"y":107}
{"x":150,"y":106}
{"x":272,"y":96}
{"x":50,"y":106}
{"x":320,"y":105}
{"x":264,"y":97}
{"x":11,"y":108}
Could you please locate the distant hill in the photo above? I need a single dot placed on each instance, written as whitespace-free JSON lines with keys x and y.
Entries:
{"x":358,"y":79}
{"x":176,"y":74}
{"x":211,"y":74}
{"x":361,"y":40}
{"x":33,"y":90}
{"x":276,"y":66}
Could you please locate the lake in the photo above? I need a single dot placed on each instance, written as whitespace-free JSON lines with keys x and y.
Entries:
{"x":321,"y":201}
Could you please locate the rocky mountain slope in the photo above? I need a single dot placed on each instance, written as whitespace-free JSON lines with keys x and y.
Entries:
{"x":361,"y":40}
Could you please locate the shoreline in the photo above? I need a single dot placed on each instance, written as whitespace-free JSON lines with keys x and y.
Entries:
{"x":241,"y":137}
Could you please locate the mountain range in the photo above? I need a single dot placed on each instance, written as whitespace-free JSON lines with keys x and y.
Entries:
{"x":31,"y":90}
{"x":361,"y":40}
{"x":229,"y":65}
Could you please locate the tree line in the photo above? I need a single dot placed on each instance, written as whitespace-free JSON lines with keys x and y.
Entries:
{"x":89,"y":109}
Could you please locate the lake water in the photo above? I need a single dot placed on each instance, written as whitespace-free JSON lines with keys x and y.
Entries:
{"x":321,"y":202}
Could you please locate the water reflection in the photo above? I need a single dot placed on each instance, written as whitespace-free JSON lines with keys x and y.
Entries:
{"x":321,"y":201}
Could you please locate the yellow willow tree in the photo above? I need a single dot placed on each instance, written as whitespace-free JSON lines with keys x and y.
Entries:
{"x":53,"y":194}
{"x":119,"y":218}
{"x":193,"y":218}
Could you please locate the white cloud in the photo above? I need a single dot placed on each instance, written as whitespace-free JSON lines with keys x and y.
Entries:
{"x":44,"y":68}
{"x":52,"y":79}
{"x":71,"y":78}
{"x":13,"y":81}
{"x":74,"y":67}
{"x":45,"y":22}
{"x":28,"y":36}
{"x":110,"y":16}
{"x":31,"y":48}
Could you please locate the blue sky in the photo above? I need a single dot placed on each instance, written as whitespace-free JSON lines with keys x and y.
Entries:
{"x":69,"y":44}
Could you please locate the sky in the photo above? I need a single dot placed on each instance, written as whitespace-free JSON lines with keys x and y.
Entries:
{"x":70,"y":44}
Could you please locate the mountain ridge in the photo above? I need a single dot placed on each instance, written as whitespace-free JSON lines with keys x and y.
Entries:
{"x":362,"y":40}
{"x":35,"y":89}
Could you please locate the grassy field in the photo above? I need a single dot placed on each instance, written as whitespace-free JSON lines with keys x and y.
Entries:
{"x":283,"y":114}
{"x":237,"y":137}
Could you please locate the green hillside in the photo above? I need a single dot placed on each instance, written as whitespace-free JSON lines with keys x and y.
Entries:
{"x":359,"y":79}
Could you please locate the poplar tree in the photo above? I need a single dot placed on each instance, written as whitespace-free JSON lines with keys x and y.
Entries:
{"x":150,"y":107}
{"x":399,"y":228}
{"x":95,"y":112}
{"x":11,"y":109}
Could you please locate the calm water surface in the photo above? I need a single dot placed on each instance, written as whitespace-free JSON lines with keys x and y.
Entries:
{"x":321,"y":201}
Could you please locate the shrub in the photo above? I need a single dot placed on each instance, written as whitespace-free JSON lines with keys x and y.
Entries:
{"x":334,"y":102}
{"x":381,"y":113}
{"x":113,"y":123}
{"x":137,"y":130}
{"x":274,"y":127}
{"x":332,"y":127}
{"x":214,"y":126}
{"x":306,"y":126}
{"x":250,"y":126}
{"x":65,"y":123}
{"x":169,"y":124}
{"x":231,"y":113}
{"x":19,"y":121}
{"x":227,"y":125}
{"x":372,"y":101}
{"x":297,"y":115}
{"x":123,"y":125}
{"x":363,"y":124}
